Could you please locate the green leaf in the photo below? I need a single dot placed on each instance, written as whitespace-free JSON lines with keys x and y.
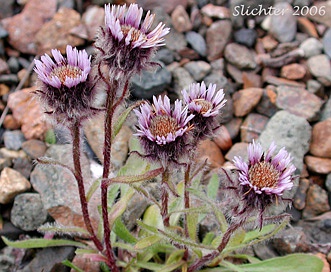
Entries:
{"x":175,"y":256}
{"x":192,"y":226}
{"x":95,"y":185}
{"x":147,"y":242}
{"x":58,"y":229}
{"x":207,"y":240}
{"x":71,"y":265}
{"x":122,"y":232}
{"x":41,"y":243}
{"x":212,"y":187}
{"x":50,"y":137}
{"x":121,"y":119}
{"x":254,"y":234}
{"x":152,"y":218}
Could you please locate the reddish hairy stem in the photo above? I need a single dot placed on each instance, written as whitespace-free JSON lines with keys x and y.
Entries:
{"x":76,"y":152}
{"x":164,"y":198}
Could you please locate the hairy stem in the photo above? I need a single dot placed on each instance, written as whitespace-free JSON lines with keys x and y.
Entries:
{"x":164,"y":198}
{"x":187,"y":197}
{"x":76,"y":153}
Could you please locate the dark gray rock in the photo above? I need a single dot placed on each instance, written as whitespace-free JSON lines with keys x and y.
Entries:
{"x":150,"y":83}
{"x":3,"y":32}
{"x":197,"y":42}
{"x":326,"y":111}
{"x":28,"y":212}
{"x":13,"y":64}
{"x":164,"y":55}
{"x":289,"y":131}
{"x":327,"y":42}
{"x":9,"y":79}
{"x":23,"y":165}
{"x":245,"y":36}
{"x":13,"y":139}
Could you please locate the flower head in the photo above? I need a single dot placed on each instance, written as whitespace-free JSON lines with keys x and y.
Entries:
{"x":163,"y":130}
{"x":126,"y":43}
{"x":64,"y":85}
{"x":262,"y":180}
{"x":205,"y":103}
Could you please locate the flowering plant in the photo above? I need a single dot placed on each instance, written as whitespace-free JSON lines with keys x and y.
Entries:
{"x":164,"y":151}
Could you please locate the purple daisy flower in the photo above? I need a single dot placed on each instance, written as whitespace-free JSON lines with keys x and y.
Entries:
{"x":263,"y":180}
{"x":64,"y":86}
{"x":163,"y":130}
{"x":126,"y":43}
{"x":205,"y":103}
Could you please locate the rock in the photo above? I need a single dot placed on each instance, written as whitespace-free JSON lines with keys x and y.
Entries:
{"x":267,"y":105}
{"x":238,"y":149}
{"x":244,"y":101}
{"x":94,"y":132}
{"x":283,"y":26}
{"x":198,"y":69}
{"x":150,"y":83}
{"x":180,"y":19}
{"x":235,"y":73}
{"x":11,"y":154}
{"x":57,"y":32}
{"x":223,"y":138}
{"x":269,"y":43}
{"x":197,"y":42}
{"x":4,"y":68}
{"x":293,"y":71}
{"x":289,"y":131}
{"x":278,"y":81}
{"x":327,"y":42}
{"x":13,"y":139}
{"x":251,"y":80}
{"x":167,"y":6}
{"x":93,"y":18}
{"x":252,"y":127}
{"x":27,"y":111}
{"x":318,"y":165}
{"x":23,"y":166}
{"x":315,"y":87}
{"x":245,"y":36}
{"x":299,"y":102}
{"x":5,"y":162}
{"x":328,"y":183}
{"x":320,"y":145}
{"x":12,"y":183}
{"x":175,"y":41}
{"x":299,"y":200}
{"x":233,"y":126}
{"x":326,"y":111}
{"x":164,"y":55}
{"x":85,"y":264}
{"x":217,"y":36}
{"x":58,"y":188}
{"x":239,"y":56}
{"x":182,"y":79}
{"x":316,"y":203}
{"x":23,"y":27}
{"x":34,"y":148}
{"x":50,"y":259}
{"x":320,"y":67}
{"x":306,"y":26}
{"x":291,"y":240}
{"x":320,"y":16}
{"x":214,"y":11}
{"x":28,"y":212}
{"x":311,"y":47}
{"x":208,"y":150}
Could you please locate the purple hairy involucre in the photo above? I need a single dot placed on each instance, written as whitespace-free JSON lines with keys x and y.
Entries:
{"x":64,"y":85}
{"x":163,"y":130}
{"x":126,"y":44}
{"x":205,"y":103}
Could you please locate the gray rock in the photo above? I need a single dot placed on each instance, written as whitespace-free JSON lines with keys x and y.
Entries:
{"x":245,"y":36}
{"x":328,"y":183}
{"x":289,"y":131}
{"x":197,"y":42}
{"x":320,"y":67}
{"x":28,"y":212}
{"x":23,"y":166}
{"x":182,"y":79}
{"x":283,"y":26}
{"x":311,"y":47}
{"x":326,"y":111}
{"x":198,"y":69}
{"x":327,"y":42}
{"x":150,"y":83}
{"x":164,"y":55}
{"x":3,"y":32}
{"x":175,"y":40}
{"x":315,"y":87}
{"x":13,"y":139}
{"x":239,"y":56}
{"x":13,"y":64}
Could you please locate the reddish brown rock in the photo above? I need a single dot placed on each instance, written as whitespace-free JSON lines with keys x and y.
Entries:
{"x":223,"y":139}
{"x":22,"y":28}
{"x":320,"y":145}
{"x":28,"y":113}
{"x":318,"y":165}
{"x":299,"y":102}
{"x":306,"y":26}
{"x":217,"y":36}
{"x":4,"y":89}
{"x":238,"y":149}
{"x":251,"y":80}
{"x":93,"y":18}
{"x":57,"y":32}
{"x":168,"y":6}
{"x":269,"y":43}
{"x":267,"y":105}
{"x":244,"y":101}
{"x":85,"y":264}
{"x":180,"y":19}
{"x":233,"y":127}
{"x":213,"y":11}
{"x":34,"y":148}
{"x":11,"y":123}
{"x":252,"y":127}
{"x":316,"y":203}
{"x":293,"y":71}
{"x":278,"y":81}
{"x":299,"y":200}
{"x":209,"y":150}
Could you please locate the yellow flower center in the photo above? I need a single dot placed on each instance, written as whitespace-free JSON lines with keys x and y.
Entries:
{"x":135,"y":34}
{"x":162,"y":125}
{"x":62,"y":72}
{"x":205,"y":105}
{"x":263,"y":174}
